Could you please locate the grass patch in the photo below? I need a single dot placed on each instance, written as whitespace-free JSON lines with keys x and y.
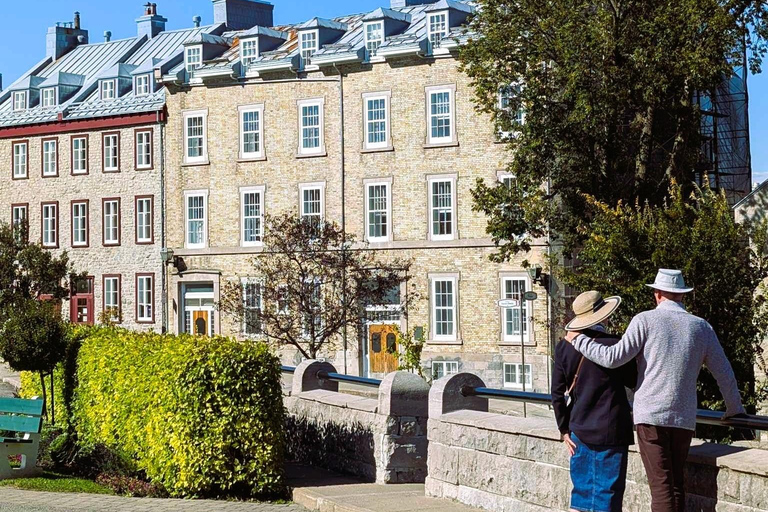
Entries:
{"x":54,"y":482}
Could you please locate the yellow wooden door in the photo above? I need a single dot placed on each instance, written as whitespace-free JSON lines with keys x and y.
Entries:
{"x":200,"y":323}
{"x":382,"y":348}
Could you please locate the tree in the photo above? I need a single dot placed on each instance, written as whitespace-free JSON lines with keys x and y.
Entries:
{"x":312,"y":283}
{"x":626,"y":245}
{"x":32,"y":283}
{"x":608,"y":89}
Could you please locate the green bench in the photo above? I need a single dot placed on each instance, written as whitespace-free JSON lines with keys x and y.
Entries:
{"x":24,"y":418}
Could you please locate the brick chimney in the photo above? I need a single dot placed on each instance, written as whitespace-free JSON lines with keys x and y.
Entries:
{"x":242,"y":14}
{"x":64,"y":37}
{"x":151,"y":23}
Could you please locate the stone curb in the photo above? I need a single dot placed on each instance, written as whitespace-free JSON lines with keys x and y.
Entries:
{"x":314,"y":502}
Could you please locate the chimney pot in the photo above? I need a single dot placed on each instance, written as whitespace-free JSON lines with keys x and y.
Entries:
{"x":107,"y":36}
{"x":196,"y":20}
{"x":77,"y":20}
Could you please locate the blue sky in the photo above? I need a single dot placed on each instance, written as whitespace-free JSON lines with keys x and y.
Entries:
{"x":26,"y":23}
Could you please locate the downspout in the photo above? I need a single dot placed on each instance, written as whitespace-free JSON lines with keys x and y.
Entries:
{"x":343,"y":203}
{"x":551,"y":340}
{"x":162,"y":226}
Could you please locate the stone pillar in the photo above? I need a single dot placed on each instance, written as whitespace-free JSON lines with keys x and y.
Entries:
{"x":305,"y":377}
{"x":403,"y":398}
{"x":445,"y":395}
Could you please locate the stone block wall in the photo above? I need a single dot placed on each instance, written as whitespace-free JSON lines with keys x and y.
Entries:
{"x":504,"y":463}
{"x":382,"y":440}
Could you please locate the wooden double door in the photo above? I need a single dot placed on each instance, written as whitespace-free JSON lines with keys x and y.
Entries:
{"x":383,"y":348}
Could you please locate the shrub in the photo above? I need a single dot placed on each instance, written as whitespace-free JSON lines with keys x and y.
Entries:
{"x":200,"y":416}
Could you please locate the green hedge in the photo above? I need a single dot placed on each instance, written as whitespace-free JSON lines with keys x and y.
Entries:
{"x":201,"y":416}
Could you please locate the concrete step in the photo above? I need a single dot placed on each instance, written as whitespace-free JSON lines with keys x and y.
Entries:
{"x":323,"y":491}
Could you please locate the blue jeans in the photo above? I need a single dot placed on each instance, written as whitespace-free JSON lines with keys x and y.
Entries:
{"x":599,"y":475}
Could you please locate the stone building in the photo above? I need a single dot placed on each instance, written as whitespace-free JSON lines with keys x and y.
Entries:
{"x":365,"y":120}
{"x":82,"y":135}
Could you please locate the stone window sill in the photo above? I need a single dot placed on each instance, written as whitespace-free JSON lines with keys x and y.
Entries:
{"x":196,"y":164}
{"x":442,"y":145}
{"x":247,"y":160}
{"x":378,"y":150}
{"x":312,"y":155}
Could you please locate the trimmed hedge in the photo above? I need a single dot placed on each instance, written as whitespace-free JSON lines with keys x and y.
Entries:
{"x":200,"y":416}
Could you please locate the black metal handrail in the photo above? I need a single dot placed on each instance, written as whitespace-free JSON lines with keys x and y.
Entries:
{"x":339,"y":377}
{"x":703,"y":416}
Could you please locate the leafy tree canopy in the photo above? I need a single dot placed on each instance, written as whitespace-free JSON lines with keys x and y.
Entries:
{"x":607,"y":88}
{"x":311,"y":283}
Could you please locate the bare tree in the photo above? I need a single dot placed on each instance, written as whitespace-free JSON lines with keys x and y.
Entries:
{"x":311,"y":283}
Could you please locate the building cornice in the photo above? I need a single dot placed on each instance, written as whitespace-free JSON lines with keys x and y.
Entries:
{"x":83,"y":125}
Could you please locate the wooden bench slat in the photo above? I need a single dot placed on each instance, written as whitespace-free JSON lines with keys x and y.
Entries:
{"x":13,"y":440}
{"x":21,"y":423}
{"x":21,"y":406}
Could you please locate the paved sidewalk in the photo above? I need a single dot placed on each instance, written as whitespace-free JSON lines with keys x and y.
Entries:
{"x":10,"y":382}
{"x":322,"y":491}
{"x":13,"y":500}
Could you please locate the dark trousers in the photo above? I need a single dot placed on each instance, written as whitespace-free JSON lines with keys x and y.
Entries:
{"x":664,"y":451}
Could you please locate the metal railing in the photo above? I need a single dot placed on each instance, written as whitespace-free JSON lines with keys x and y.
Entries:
{"x":703,"y":416}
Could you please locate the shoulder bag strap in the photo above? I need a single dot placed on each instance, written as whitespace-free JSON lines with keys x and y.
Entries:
{"x":575,"y":377}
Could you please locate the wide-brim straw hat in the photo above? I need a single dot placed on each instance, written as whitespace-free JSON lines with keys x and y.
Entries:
{"x":590,"y":309}
{"x":668,"y":280}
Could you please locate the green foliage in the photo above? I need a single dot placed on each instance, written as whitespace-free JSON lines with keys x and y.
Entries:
{"x":607,"y":90}
{"x":314,"y":281}
{"x":626,"y":245}
{"x":34,"y":337}
{"x":54,"y":482}
{"x":200,"y":416}
{"x":409,"y":357}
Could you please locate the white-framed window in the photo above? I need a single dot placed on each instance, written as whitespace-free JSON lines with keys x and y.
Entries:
{"x":196,"y":218}
{"x":50,"y":157}
{"x":249,"y":51}
{"x":442,"y":368}
{"x":80,"y":224}
{"x":111,"y":222}
{"x":507,"y":95}
{"x":441,"y":115}
{"x":443,"y":301}
{"x":111,"y":152}
{"x":195,"y":135}
{"x":251,"y":131}
{"x":314,"y":318}
{"x":19,"y":215}
{"x":145,"y":298}
{"x":251,"y":216}
{"x":506,"y":178}
{"x":514,"y":288}
{"x":108,"y":89}
{"x":144,"y":215}
{"x":20,"y":100}
{"x":442,"y":208}
{"x":20,"y":160}
{"x":50,"y":224}
{"x":311,"y":140}
{"x":252,"y":304}
{"x":374,"y":36}
{"x":193,"y":58}
{"x":48,"y":97}
{"x":309,"y":44}
{"x":79,"y":155}
{"x":142,"y":85}
{"x":312,"y":202}
{"x":112,"y":302}
{"x":376,"y":112}
{"x":437,"y":28}
{"x":378,"y":208}
{"x":144,"y":149}
{"x":513,"y":376}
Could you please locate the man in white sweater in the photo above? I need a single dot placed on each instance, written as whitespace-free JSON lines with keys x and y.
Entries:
{"x":670,"y":345}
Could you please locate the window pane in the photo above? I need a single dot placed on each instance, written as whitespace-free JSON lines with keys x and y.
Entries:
{"x":195,"y":137}
{"x":308,"y":44}
{"x":376,"y":121}
{"x":442,"y":208}
{"x":514,"y":289}
{"x":251,"y":217}
{"x":195,"y":220}
{"x":440,"y":115}
{"x":251,"y":129}
{"x":377,"y":211}
{"x":444,"y":308}
{"x":374,"y":36}
{"x":437,"y":29}
{"x":310,"y":123}
{"x":49,"y":158}
{"x":144,"y":220}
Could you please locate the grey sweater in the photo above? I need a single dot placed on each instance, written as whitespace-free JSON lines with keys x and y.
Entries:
{"x":670,"y":345}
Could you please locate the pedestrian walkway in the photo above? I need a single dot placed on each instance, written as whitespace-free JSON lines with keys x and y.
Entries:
{"x":321,"y":491}
{"x":10,"y":381}
{"x":13,"y":500}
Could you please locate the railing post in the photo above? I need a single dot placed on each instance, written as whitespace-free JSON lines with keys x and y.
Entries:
{"x":446,"y":396}
{"x":305,"y":377}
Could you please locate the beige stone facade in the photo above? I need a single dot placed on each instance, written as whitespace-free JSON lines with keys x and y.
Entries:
{"x":127,"y":259}
{"x":406,"y":164}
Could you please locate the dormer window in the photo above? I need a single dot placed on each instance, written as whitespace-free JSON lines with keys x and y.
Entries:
{"x":193,"y":58}
{"x":48,"y":99}
{"x":374,"y":36}
{"x":249,"y":51}
{"x":308,"y":44}
{"x":437,"y":28}
{"x":20,"y":100}
{"x":142,"y":85}
{"x":108,"y":89}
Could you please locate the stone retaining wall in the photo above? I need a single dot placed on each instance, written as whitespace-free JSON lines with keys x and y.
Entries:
{"x":382,"y":440}
{"x":504,"y":463}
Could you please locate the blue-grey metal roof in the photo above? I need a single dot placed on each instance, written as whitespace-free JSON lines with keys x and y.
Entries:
{"x":383,"y":13}
{"x":323,"y":23}
{"x":118,"y":70}
{"x":62,"y":78}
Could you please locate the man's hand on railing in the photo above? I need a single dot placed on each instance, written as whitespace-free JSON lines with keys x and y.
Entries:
{"x":569,"y":444}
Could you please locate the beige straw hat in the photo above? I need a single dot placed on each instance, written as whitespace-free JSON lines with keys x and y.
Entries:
{"x":590,"y":309}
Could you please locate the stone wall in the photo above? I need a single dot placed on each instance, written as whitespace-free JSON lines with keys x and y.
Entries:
{"x":382,"y":440}
{"x":504,"y":463}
